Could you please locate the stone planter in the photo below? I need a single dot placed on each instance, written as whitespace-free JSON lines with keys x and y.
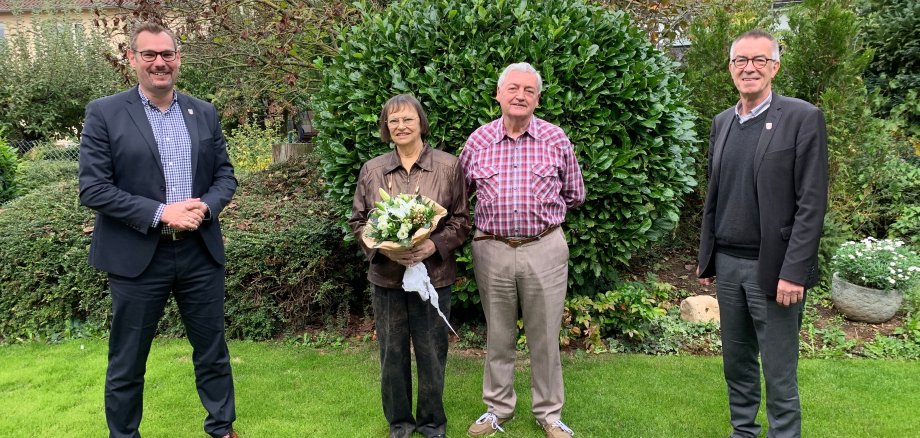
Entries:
{"x":865,"y":304}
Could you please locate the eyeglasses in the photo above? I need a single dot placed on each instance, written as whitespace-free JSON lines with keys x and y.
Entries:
{"x":405,"y":121}
{"x":758,"y":61}
{"x":151,"y":55}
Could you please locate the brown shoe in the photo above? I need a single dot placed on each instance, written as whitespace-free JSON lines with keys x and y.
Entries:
{"x":231,"y":434}
{"x":557,"y":429}
{"x":487,"y":425}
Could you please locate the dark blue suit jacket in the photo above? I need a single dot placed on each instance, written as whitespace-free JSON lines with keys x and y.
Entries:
{"x":790,"y":183}
{"x":121,"y":177}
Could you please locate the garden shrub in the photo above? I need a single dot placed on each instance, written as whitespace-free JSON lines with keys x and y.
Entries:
{"x":890,"y":29}
{"x":51,"y":69}
{"x":49,"y":290}
{"x":616,"y":96}
{"x":288,"y":265}
{"x":625,"y":314}
{"x":874,"y":189}
{"x":35,"y":174}
{"x":823,"y":50}
{"x":9,"y":167}
{"x":250,"y":147}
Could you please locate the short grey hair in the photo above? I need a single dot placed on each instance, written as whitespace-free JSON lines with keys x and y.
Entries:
{"x":753,"y":34}
{"x":524,"y":67}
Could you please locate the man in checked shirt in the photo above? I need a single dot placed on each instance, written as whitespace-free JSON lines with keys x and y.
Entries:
{"x":154,"y":166}
{"x":525,"y":176}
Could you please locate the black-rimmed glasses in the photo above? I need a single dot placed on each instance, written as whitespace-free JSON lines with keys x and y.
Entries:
{"x":151,"y":55}
{"x":758,"y":61}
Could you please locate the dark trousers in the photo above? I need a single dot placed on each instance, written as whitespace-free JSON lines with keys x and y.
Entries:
{"x":401,"y":317}
{"x":185,"y":269}
{"x":753,"y":325}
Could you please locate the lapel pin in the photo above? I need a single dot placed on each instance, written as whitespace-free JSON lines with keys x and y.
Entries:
{"x":769,"y":125}
{"x":192,"y":113}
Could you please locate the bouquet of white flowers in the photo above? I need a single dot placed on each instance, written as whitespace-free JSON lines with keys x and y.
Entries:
{"x":402,"y":221}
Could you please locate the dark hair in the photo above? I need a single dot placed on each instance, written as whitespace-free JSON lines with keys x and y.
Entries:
{"x":756,"y":33}
{"x":397,"y":103}
{"x":154,"y":28}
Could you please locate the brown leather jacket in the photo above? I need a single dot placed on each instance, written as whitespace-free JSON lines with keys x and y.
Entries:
{"x":437,"y":175}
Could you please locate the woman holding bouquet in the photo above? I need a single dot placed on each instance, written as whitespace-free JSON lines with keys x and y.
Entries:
{"x":413,"y":168}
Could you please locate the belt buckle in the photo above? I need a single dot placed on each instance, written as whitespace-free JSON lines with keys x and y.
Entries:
{"x":174,"y":236}
{"x":515,"y":242}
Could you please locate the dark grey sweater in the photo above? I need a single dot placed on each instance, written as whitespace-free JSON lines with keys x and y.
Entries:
{"x":737,"y":222}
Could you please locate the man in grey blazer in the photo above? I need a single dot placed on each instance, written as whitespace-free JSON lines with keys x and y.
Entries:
{"x":762,"y":222}
{"x":154,"y":166}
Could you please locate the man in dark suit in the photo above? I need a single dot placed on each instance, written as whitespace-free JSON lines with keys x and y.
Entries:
{"x":154,"y":166}
{"x":761,"y":226}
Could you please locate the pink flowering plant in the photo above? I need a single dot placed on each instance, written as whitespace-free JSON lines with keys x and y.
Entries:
{"x":878,"y":263}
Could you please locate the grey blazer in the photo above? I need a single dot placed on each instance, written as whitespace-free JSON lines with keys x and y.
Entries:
{"x":790,"y":179}
{"x":121,"y":177}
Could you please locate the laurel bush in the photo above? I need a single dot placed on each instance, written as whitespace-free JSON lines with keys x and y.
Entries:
{"x":616,"y":96}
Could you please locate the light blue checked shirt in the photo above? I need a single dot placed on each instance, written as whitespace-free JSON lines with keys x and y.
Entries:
{"x":175,"y":146}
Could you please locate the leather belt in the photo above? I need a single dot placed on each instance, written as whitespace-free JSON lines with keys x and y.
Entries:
{"x":515,"y":242}
{"x":178,"y":235}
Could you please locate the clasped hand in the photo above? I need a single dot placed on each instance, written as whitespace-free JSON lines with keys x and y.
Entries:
{"x":185,"y":215}
{"x":410,"y":256}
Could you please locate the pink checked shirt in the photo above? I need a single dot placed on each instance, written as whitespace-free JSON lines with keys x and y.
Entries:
{"x":522,"y":186}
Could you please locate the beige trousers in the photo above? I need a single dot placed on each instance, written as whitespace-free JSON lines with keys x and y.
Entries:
{"x":533,"y":276}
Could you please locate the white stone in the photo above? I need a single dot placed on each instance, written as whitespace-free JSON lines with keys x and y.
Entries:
{"x":701,"y":308}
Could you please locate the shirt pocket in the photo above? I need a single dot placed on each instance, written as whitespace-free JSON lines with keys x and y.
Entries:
{"x":545,"y":181}
{"x":485,"y":179}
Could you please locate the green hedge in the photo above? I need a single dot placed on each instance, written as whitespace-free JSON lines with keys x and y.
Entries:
{"x":49,"y":290}
{"x":35,"y":174}
{"x":287,"y":263}
{"x":9,"y":165}
{"x":614,"y":94}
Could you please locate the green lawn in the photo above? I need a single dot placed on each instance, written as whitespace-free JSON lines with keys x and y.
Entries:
{"x":286,"y":391}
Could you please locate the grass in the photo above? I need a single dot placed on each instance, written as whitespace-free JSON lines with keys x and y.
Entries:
{"x":284,"y":390}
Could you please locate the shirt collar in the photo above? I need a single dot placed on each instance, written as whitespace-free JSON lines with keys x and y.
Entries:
{"x":533,"y":129}
{"x":425,"y":160}
{"x":758,"y":110}
{"x":146,"y":101}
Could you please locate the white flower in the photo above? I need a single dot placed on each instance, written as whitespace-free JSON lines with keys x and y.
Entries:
{"x":403,"y":232}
